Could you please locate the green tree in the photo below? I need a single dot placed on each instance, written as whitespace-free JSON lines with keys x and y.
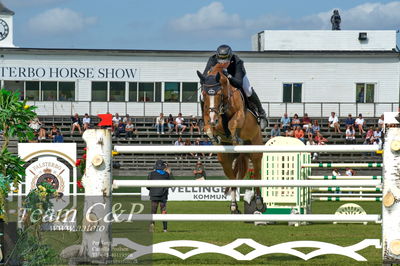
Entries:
{"x":14,"y":123}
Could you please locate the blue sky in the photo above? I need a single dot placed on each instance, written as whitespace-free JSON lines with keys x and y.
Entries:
{"x":182,"y":24}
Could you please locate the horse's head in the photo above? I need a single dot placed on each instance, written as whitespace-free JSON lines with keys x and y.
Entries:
{"x":214,"y":91}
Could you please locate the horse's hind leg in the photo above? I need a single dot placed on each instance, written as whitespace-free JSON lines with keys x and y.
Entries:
{"x":256,"y":159}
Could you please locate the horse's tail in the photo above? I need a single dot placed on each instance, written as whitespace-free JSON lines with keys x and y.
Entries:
{"x":241,"y":165}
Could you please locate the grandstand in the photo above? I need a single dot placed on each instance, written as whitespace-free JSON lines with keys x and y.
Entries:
{"x":140,"y":164}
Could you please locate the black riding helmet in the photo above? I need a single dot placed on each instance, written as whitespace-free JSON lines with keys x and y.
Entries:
{"x":224,"y":53}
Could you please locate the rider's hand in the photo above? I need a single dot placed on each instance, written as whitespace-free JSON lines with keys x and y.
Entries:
{"x":226,"y":74}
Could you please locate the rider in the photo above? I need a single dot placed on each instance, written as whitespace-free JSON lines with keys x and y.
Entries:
{"x":236,"y":73}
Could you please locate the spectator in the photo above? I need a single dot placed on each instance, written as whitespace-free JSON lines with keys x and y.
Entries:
{"x":188,"y":143}
{"x":194,"y":124}
{"x":159,"y":196}
{"x":306,"y":122}
{"x":179,"y":142}
{"x":381,"y":122}
{"x":310,"y":141}
{"x":315,"y":127}
{"x":350,"y":172}
{"x":53,"y":131}
{"x":289,"y":132}
{"x":334,"y":122}
{"x":349,"y":121}
{"x":129,"y":129}
{"x":350,"y":135}
{"x":378,"y":134}
{"x":369,"y":137}
{"x":120,"y":129}
{"x":86,"y":122}
{"x":58,"y":138}
{"x":170,"y":123}
{"x":275,"y":131}
{"x":207,"y":142}
{"x":295,"y":121}
{"x":199,"y":172}
{"x":285,"y":122}
{"x":197,"y":142}
{"x":359,"y":123}
{"x":116,"y":119}
{"x":179,"y":124}
{"x":299,"y":133}
{"x":319,"y":139}
{"x":335,"y":171}
{"x":160,"y":123}
{"x":76,"y":123}
{"x":126,"y":119}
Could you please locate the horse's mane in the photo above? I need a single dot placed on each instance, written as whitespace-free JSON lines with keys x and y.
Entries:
{"x":215,"y":69}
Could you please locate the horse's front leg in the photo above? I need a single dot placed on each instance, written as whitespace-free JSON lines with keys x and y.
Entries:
{"x":235,"y":125}
{"x":234,"y":205}
{"x":226,"y":160}
{"x":256,"y":159}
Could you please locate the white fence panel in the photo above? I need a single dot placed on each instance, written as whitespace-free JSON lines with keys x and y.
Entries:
{"x":189,"y":109}
{"x":117,"y":107}
{"x":366,"y":109}
{"x":171,"y":108}
{"x":99,"y":108}
{"x":313,"y":109}
{"x":44,"y":108}
{"x":277,"y":109}
{"x":152,"y":109}
{"x":384,"y":107}
{"x":81,"y":108}
{"x":327,"y":108}
{"x":295,"y":108}
{"x":135,"y":109}
{"x":348,"y":108}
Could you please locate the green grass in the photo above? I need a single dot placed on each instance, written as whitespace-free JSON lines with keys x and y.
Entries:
{"x":222,"y":233}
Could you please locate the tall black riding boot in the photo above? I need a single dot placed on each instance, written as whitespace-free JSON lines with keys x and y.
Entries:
{"x":261,"y":113}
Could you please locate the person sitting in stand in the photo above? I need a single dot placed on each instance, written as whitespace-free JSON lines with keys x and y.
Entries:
{"x":160,"y":120}
{"x":129,"y":129}
{"x":234,"y":70}
{"x":86,"y":122}
{"x":53,"y":131}
{"x":194,"y":124}
{"x":170,"y":123}
{"x":275,"y":131}
{"x":381,"y":122}
{"x":58,"y":138}
{"x":359,"y":123}
{"x":289,"y":132}
{"x":299,"y":133}
{"x":115,"y":120}
{"x":334,"y":122}
{"x":306,"y":121}
{"x":295,"y":121}
{"x":159,"y":195}
{"x":319,"y":139}
{"x":349,"y":121}
{"x":285,"y":122}
{"x":199,"y":172}
{"x":350,"y":135}
{"x":76,"y":124}
{"x":126,"y":119}
{"x":120,"y":129}
{"x":179,"y":124}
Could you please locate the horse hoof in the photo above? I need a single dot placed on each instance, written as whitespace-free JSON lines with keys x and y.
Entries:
{"x":237,"y":211}
{"x":259,"y":204}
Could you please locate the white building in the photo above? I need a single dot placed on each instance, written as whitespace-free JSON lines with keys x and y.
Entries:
{"x":295,"y":71}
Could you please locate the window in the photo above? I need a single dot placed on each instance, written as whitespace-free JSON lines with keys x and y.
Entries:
{"x":189,"y":92}
{"x":66,"y":91}
{"x":49,"y":90}
{"x":292,"y":92}
{"x":365,"y":92}
{"x":32,"y":90}
{"x":16,"y":86}
{"x":172,"y":90}
{"x":146,"y":92}
{"x":133,"y":87}
{"x":117,"y":91}
{"x":99,"y":91}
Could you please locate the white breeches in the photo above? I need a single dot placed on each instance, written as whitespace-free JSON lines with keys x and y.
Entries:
{"x":248,"y":90}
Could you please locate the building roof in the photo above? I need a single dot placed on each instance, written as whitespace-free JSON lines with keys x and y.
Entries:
{"x":196,"y":53}
{"x":5,"y":11}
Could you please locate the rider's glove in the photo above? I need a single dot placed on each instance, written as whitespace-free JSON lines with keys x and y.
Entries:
{"x":226,"y":74}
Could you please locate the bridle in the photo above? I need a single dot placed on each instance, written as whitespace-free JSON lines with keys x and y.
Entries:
{"x":212,"y":90}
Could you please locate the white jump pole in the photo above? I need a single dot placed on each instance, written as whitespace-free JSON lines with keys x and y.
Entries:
{"x":248,"y":217}
{"x":351,"y":199}
{"x":346,"y":195}
{"x":344,"y":177}
{"x":347,"y":189}
{"x":245,"y":183}
{"x":245,"y":149}
{"x":342,"y":165}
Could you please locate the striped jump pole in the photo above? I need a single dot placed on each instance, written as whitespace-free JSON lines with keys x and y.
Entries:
{"x":345,"y":177}
{"x":346,"y":195}
{"x":342,"y":165}
{"x":245,"y":183}
{"x":347,"y":199}
{"x":347,"y":189}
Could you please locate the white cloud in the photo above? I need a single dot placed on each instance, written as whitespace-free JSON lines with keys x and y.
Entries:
{"x":208,"y":19}
{"x":213,"y":19}
{"x":59,"y":21}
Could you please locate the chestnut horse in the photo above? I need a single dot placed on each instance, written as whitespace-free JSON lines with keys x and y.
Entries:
{"x":227,"y":122}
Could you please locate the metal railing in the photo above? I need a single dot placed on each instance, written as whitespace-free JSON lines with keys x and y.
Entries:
{"x":273,"y":109}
